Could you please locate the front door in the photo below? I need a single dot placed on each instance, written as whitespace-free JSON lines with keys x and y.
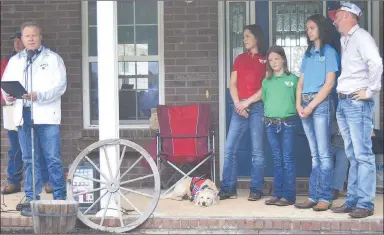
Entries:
{"x":284,"y":25}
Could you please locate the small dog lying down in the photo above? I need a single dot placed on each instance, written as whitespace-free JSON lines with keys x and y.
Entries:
{"x":202,"y":192}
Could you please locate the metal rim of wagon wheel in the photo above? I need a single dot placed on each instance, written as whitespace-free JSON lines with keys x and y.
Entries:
{"x":116,"y":188}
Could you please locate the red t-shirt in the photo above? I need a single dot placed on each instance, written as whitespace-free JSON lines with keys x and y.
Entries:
{"x":250,"y":73}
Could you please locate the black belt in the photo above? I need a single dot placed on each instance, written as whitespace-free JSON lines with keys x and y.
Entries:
{"x":344,"y":96}
{"x":308,"y":96}
{"x":278,"y":120}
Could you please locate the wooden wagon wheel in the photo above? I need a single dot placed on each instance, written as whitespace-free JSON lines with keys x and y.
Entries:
{"x":114,"y":187}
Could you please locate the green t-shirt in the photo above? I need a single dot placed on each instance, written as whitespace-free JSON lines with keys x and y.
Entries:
{"x":279,"y":96}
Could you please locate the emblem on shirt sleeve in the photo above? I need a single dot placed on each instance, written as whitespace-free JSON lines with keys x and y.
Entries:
{"x":289,"y":83}
{"x":44,"y":66}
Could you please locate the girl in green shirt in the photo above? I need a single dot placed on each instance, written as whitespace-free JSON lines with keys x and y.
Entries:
{"x":279,"y":97}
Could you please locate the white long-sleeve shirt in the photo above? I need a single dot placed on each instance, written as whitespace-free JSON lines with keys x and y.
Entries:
{"x":361,"y":64}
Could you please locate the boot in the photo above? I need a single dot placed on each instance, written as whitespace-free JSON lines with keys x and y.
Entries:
{"x":48,"y":188}
{"x":322,"y":206}
{"x":11,"y":188}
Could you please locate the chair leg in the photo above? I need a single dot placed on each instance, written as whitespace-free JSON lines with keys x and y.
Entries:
{"x":185,"y":175}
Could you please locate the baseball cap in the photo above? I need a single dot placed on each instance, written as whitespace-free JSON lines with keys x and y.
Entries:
{"x":347,"y":6}
{"x":17,"y":34}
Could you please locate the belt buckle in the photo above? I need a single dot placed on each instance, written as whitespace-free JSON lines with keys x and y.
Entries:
{"x":306,"y":97}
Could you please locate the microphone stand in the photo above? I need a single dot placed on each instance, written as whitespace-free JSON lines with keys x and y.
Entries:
{"x":29,"y":63}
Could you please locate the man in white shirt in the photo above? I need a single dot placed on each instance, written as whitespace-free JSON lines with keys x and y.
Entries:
{"x":359,"y":82}
{"x":47,"y":71}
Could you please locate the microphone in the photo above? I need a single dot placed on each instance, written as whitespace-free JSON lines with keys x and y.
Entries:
{"x":30,"y":54}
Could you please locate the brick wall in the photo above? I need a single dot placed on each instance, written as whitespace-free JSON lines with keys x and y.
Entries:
{"x":191,"y":55}
{"x":190,"y":38}
{"x":61,"y":24}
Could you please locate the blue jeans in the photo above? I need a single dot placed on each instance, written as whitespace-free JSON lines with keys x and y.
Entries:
{"x":317,"y":128}
{"x":341,"y":168}
{"x":355,"y":123}
{"x":48,"y":138}
{"x":237,"y":128}
{"x":15,"y":163}
{"x":281,"y":138}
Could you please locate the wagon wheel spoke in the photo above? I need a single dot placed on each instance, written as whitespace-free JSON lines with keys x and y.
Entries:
{"x":136,"y":192}
{"x":87,"y":178}
{"x":130,"y":203}
{"x":90,"y":191}
{"x":120,"y":161}
{"x":105,"y":210}
{"x":136,"y":179}
{"x":130,"y":168}
{"x":118,"y":210}
{"x":90,"y":208}
{"x":97,"y":168}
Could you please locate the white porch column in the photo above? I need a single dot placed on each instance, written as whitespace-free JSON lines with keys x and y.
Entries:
{"x":108,"y":91}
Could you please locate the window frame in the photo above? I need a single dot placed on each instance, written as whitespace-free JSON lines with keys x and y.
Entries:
{"x":86,"y":59}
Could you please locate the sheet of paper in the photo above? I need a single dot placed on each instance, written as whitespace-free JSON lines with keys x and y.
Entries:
{"x":8,"y":121}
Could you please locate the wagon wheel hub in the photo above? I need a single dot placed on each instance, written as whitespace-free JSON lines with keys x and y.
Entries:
{"x":113,"y":186}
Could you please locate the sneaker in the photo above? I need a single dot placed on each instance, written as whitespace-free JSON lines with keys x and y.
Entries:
{"x":254,"y":196}
{"x":224,"y":195}
{"x":26,"y":209}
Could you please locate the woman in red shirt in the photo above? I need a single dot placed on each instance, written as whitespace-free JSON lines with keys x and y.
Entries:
{"x":245,"y":87}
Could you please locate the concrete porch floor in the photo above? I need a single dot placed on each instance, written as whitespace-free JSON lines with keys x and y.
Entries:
{"x":230,"y":214}
{"x":239,"y":207}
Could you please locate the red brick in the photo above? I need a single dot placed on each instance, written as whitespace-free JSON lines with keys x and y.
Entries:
{"x":355,"y":225}
{"x":335,"y":225}
{"x":5,"y":222}
{"x":268,"y":224}
{"x":231,"y":223}
{"x":157,"y":223}
{"x":222,"y":223}
{"x":15,"y":222}
{"x":364,"y":226}
{"x":203,"y":223}
{"x":176,"y":224}
{"x":287,"y":225}
{"x":240,"y":223}
{"x":166,"y":224}
{"x":212,"y":223}
{"x":306,"y":226}
{"x":277,"y":224}
{"x":259,"y":224}
{"x":345,"y":226}
{"x":296,"y":225}
{"x":315,"y":226}
{"x":376,"y":226}
{"x":326,"y":225}
{"x":249,"y":224}
{"x":194,"y":223}
{"x":185,"y":224}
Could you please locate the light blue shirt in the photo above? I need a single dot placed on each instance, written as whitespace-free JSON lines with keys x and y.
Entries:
{"x":316,"y":67}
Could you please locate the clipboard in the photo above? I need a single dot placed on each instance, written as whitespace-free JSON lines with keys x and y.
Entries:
{"x":13,"y":88}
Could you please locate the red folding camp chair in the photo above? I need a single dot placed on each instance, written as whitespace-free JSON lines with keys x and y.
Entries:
{"x":184,"y":137}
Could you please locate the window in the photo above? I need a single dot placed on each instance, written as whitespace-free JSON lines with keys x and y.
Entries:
{"x":288,"y":28}
{"x":140,"y":65}
{"x":238,"y":15}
